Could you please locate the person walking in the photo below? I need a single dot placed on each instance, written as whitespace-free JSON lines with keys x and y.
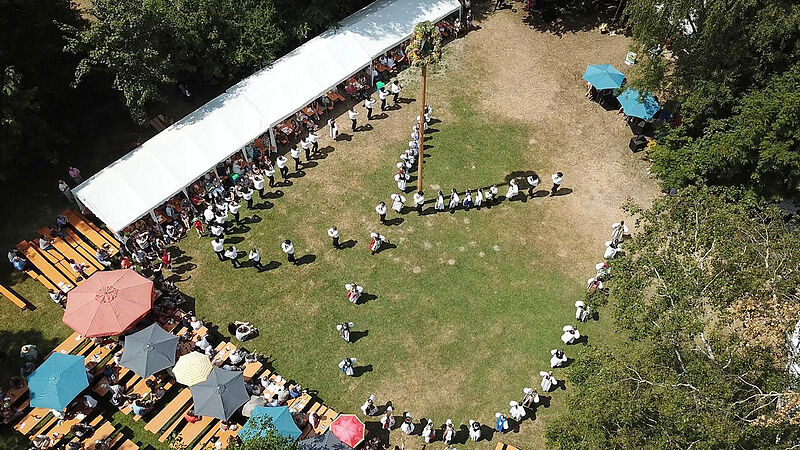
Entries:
{"x":280,"y":161}
{"x":429,"y":432}
{"x":295,"y":154}
{"x":75,"y":174}
{"x":529,"y":398}
{"x":467,"y":200}
{"x":288,"y":248}
{"x":344,"y":331}
{"x":419,"y":201}
{"x":269,"y":172}
{"x":449,"y":432}
{"x":353,"y":292}
{"x":395,"y":88}
{"x":439,"y":204}
{"x":549,"y":382}
{"x":347,"y":366}
{"x":501,"y":425}
{"x":453,"y":201}
{"x":513,"y":190}
{"x":313,"y":139}
{"x":233,"y":208}
{"x":64,"y":188}
{"x":306,"y":144}
{"x":247,"y":194}
{"x":479,"y":199}
{"x":258,"y":184}
{"x":474,"y":430}
{"x":333,"y":129}
{"x":233,"y":254}
{"x":255,"y":258}
{"x":533,"y":181}
{"x":495,"y":192}
{"x":381,"y":210}
{"x":369,"y":408}
{"x":407,"y":426}
{"x":397,"y":202}
{"x":557,"y":178}
{"x":376,"y":240}
{"x":516,"y":411}
{"x":382,"y":94}
{"x":333,"y":233}
{"x":400,"y":178}
{"x":368,"y":103}
{"x":353,"y":116}
{"x":558,"y":358}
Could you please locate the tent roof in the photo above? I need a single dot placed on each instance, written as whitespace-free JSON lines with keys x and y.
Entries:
{"x":161,"y":167}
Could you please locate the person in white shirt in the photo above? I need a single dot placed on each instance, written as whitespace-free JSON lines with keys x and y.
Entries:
{"x":333,"y":129}
{"x":295,"y":154}
{"x":453,"y":201}
{"x":395,"y":88}
{"x":306,"y":144}
{"x":618,"y":231}
{"x":369,"y":408}
{"x":376,"y":241}
{"x":313,"y":139}
{"x":203,"y":344}
{"x":368,"y":103}
{"x":353,"y":116}
{"x":255,"y":258}
{"x":529,"y":398}
{"x":513,"y":189}
{"x":195,"y":323}
{"x":382,"y":94}
{"x":247,"y":195}
{"x":401,"y":181}
{"x":269,"y":172}
{"x":474,"y":431}
{"x":387,"y":420}
{"x":419,"y":201}
{"x":558,"y":358}
{"x":570,"y":335}
{"x":602,"y":270}
{"x":581,"y":311}
{"x":397,"y":202}
{"x":347,"y":366}
{"x":449,"y":432}
{"x":516,"y":411}
{"x":353,"y":292}
{"x":217,"y":230}
{"x":208,"y":214}
{"x":333,"y":233}
{"x":594,"y":285}
{"x":280,"y":161}
{"x":233,"y":254}
{"x":221,"y":215}
{"x":612,"y":249}
{"x":533,"y":181}
{"x":557,"y":178}
{"x":467,"y":203}
{"x":288,"y":248}
{"x":233,"y":208}
{"x":344,"y":330}
{"x":439,"y":204}
{"x":59,"y":297}
{"x":218,"y":244}
{"x":549,"y":382}
{"x":407,"y":426}
{"x":258,"y":184}
{"x":428,"y":433}
{"x":492,"y":195}
{"x":479,"y":199}
{"x":381,"y":210}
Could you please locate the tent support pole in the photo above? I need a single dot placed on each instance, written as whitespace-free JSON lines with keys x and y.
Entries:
{"x":272,"y":138}
{"x":371,"y":74}
{"x":153,"y":215}
{"x":185,"y":192}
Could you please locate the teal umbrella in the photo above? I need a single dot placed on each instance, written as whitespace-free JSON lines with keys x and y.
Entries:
{"x":636,"y":104}
{"x":57,"y":381}
{"x":281,"y":418}
{"x":604,"y":76}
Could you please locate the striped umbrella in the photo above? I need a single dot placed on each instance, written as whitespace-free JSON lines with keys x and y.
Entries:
{"x":192,"y":368}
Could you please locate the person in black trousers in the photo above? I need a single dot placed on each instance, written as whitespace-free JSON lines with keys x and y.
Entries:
{"x":334,"y":235}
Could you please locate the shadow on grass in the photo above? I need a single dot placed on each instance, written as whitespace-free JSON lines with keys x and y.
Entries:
{"x":305,"y":259}
{"x":350,"y":243}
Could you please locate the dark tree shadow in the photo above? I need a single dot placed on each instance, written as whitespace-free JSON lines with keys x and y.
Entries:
{"x":306,"y":259}
{"x":350,"y":243}
{"x":551,"y":19}
{"x":563,"y":191}
{"x":10,"y":344}
{"x":355,"y":336}
{"x":394,"y":222}
{"x":361,"y":370}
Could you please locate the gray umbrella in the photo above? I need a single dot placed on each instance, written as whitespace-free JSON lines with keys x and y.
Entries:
{"x":220,"y":395}
{"x":326,"y":441}
{"x":150,"y":350}
{"x":255,"y":400}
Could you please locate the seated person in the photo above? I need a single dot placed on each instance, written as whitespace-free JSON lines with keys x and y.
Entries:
{"x":203,"y":345}
{"x":295,"y":391}
{"x":139,"y":406}
{"x":81,"y":430}
{"x":274,"y":401}
{"x":191,"y":417}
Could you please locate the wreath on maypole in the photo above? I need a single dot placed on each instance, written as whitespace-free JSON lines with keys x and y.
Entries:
{"x":425,"y":45}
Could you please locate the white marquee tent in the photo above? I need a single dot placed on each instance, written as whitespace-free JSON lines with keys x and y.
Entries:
{"x":140,"y":181}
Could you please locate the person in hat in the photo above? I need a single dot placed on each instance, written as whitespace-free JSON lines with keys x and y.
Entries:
{"x":449,"y":432}
{"x":570,"y":335}
{"x":558,"y":358}
{"x":529,"y":398}
{"x":492,"y":195}
{"x":387,"y":420}
{"x":344,"y":330}
{"x":353,"y":292}
{"x":29,"y":353}
{"x":453,"y":201}
{"x":516,"y":411}
{"x":419,"y":201}
{"x":288,"y":248}
{"x":381,"y":210}
{"x":369,"y":408}
{"x":581,"y":311}
{"x":333,"y":233}
{"x":474,"y":430}
{"x":557,"y":178}
{"x":397,"y":202}
{"x":513,"y":189}
{"x":376,"y":240}
{"x":594,"y":285}
{"x":549,"y":382}
{"x":533,"y":181}
{"x":400,"y":178}
{"x":612,"y":249}
{"x":347,"y":366}
{"x":408,"y":424}
{"x":602,"y":270}
{"x":429,"y":432}
{"x":501,"y":424}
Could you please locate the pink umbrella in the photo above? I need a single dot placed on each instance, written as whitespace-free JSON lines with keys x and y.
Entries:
{"x":349,"y":429}
{"x":108,"y":303}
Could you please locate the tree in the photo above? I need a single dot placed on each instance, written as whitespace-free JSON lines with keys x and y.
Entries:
{"x":425,"y":47}
{"x":270,"y":440}
{"x":692,"y":375}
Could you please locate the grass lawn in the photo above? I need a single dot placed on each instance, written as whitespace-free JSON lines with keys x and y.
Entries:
{"x":467,"y":306}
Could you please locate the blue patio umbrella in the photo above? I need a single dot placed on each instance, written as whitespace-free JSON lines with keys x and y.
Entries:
{"x":282,"y":421}
{"x":637,"y":105}
{"x":604,"y":76}
{"x":57,"y":381}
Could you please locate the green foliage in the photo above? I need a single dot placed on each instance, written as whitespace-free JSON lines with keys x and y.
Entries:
{"x":688,"y":377}
{"x":425,"y":46}
{"x":272,"y":440}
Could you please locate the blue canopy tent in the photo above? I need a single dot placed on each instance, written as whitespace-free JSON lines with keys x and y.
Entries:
{"x":282,"y":421}
{"x":57,"y":381}
{"x":639,"y":105}
{"x":604,"y":76}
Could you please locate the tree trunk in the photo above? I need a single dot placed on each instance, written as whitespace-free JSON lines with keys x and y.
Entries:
{"x":421,"y":130}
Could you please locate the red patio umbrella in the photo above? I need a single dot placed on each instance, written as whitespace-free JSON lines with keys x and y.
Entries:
{"x":108,"y":303}
{"x":349,"y":429}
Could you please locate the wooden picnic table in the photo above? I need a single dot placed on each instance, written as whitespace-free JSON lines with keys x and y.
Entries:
{"x":177,"y":405}
{"x":92,"y":232}
{"x":59,"y":263}
{"x":224,"y":350}
{"x":67,"y":251}
{"x":192,"y":431}
{"x":45,"y":267}
{"x":15,"y":299}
